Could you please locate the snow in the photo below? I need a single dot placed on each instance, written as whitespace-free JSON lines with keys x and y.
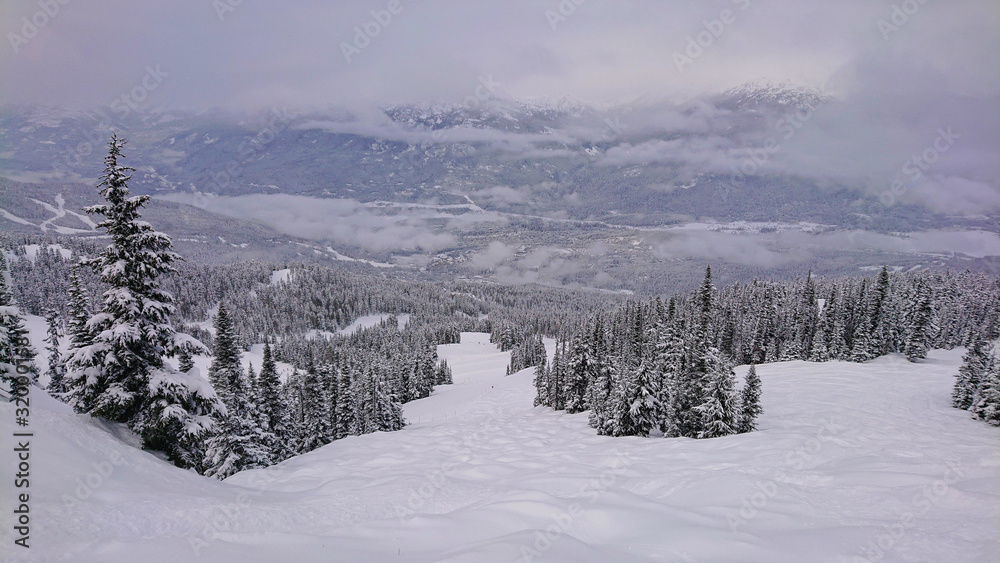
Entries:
{"x":58,"y":212}
{"x":848,"y":457}
{"x":368,"y":321}
{"x":360,"y":323}
{"x":255,"y":357}
{"x":281,"y":276}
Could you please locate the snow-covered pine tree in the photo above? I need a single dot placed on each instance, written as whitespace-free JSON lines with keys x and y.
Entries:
{"x":57,"y":367}
{"x":718,"y":409}
{"x":577,"y":375}
{"x":17,"y":357}
{"x":387,"y":412}
{"x":879,"y":325}
{"x":251,"y":380}
{"x":239,"y":442}
{"x":599,"y":385}
{"x":376,"y":411}
{"x":807,"y":318}
{"x":977,"y":362}
{"x":921,"y":326}
{"x":225,"y":371}
{"x":641,"y":399}
{"x":750,"y":407}
{"x":346,"y":401}
{"x":442,"y":376}
{"x":121,"y":375}
{"x":185,"y":360}
{"x":705,"y":305}
{"x":269,"y":399}
{"x":315,"y":426}
{"x":864,"y":343}
{"x":79,"y":313}
{"x":541,"y":382}
{"x":556,"y":375}
{"x":986,"y":402}
{"x":671,"y":363}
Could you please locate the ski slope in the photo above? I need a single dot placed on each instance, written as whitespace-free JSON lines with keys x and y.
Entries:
{"x":849,"y":459}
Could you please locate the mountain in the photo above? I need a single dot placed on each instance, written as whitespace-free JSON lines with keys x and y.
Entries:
{"x":670,"y":185}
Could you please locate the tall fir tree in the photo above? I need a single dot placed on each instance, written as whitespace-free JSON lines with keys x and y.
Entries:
{"x":225,"y":371}
{"x":79,"y":313}
{"x":750,"y":407}
{"x":986,"y":401}
{"x":269,"y":399}
{"x":17,"y":357}
{"x":718,"y":409}
{"x":240,"y":442}
{"x":346,"y":401}
{"x":921,"y":326}
{"x":121,"y":375}
{"x":541,"y":383}
{"x":53,"y":339}
{"x":315,"y":430}
{"x":978,"y":361}
{"x":578,"y":375}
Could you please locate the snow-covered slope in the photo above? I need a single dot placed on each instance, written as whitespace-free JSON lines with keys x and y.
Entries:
{"x":849,"y":459}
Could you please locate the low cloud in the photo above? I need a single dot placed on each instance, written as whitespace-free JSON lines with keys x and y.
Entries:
{"x":344,"y":221}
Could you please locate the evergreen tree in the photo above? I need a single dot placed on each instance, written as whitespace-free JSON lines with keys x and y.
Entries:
{"x":17,"y":357}
{"x":877,"y":318}
{"x":225,"y":372}
{"x":977,"y":362}
{"x":671,"y":363}
{"x":750,"y":407}
{"x":578,"y":376}
{"x":921,"y":326}
{"x":442,"y":376}
{"x":315,"y":424}
{"x":986,"y":402}
{"x":345,"y":409}
{"x":79,"y":313}
{"x":541,"y":382}
{"x":240,"y":442}
{"x":121,"y":375}
{"x":376,"y":411}
{"x":57,"y":384}
{"x":269,"y":399}
{"x":718,"y":409}
{"x":185,"y":360}
{"x":640,"y":399}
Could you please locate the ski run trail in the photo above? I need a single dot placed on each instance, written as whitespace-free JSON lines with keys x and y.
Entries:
{"x":852,"y":462}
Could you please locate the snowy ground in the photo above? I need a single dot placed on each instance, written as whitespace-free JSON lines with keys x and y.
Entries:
{"x":850,"y":459}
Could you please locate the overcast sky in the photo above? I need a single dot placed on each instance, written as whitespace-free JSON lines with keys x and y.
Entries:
{"x":261,"y":53}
